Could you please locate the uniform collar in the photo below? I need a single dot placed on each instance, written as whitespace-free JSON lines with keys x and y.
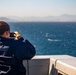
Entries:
{"x":3,"y":38}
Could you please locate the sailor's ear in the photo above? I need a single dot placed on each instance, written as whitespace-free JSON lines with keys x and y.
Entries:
{"x":7,"y":33}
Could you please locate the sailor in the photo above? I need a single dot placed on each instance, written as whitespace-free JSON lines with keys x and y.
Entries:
{"x":13,"y":52}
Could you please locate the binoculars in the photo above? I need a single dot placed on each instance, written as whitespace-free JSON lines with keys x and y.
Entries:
{"x":15,"y":35}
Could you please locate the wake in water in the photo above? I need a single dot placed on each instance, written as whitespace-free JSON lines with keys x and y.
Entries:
{"x":55,"y":40}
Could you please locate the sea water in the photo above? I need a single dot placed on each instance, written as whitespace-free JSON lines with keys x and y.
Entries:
{"x":49,"y":38}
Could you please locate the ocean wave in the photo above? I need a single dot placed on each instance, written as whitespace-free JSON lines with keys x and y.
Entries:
{"x":46,"y":35}
{"x":56,"y":40}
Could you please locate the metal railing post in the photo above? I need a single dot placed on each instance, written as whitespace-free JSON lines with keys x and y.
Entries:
{"x":27,"y":67}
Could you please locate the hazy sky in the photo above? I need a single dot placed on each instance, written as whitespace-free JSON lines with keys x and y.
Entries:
{"x":37,"y":7}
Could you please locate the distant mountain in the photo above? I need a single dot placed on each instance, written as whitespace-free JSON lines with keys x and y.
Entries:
{"x":6,"y":19}
{"x":62,"y":18}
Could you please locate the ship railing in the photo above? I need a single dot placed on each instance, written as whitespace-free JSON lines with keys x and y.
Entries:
{"x":51,"y":65}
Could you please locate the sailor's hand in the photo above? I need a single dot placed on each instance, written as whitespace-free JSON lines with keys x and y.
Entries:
{"x":17,"y":35}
